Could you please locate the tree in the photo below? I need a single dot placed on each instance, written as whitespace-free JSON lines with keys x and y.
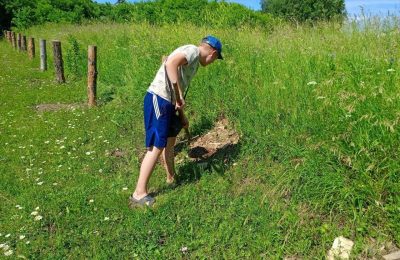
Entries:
{"x":5,"y":16}
{"x":306,"y":10}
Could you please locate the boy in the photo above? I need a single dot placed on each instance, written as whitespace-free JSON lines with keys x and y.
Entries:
{"x":163,"y":99}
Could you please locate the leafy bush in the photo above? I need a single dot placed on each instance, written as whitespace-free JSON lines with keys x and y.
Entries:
{"x":198,"y":12}
{"x":27,"y":13}
{"x":307,"y":10}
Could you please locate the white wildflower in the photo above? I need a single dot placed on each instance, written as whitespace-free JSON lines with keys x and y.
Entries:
{"x":34,"y":213}
{"x":21,"y":237}
{"x":391,"y":70}
{"x":91,"y":201}
{"x":87,"y":153}
{"x":311,"y":83}
{"x":125,"y":188}
{"x":38,"y":217}
{"x":8,"y":253}
{"x":40,"y":183}
{"x":106,"y":218}
{"x":8,"y":235}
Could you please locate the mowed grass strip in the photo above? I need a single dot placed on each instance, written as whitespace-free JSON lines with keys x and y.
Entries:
{"x":317,"y":109}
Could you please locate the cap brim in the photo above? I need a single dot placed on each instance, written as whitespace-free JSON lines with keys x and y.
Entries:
{"x":220,"y":56}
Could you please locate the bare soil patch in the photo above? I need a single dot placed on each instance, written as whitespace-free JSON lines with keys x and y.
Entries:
{"x":118,"y":153}
{"x":220,"y":144}
{"x":58,"y":107}
{"x":221,"y":137}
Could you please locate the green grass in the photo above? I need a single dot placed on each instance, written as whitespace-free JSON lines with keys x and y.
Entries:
{"x":317,"y":109}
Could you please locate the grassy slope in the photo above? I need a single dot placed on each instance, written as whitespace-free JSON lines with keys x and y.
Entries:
{"x":316,"y":160}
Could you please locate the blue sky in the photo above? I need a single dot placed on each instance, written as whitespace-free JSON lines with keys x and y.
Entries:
{"x":353,"y":7}
{"x":373,"y":7}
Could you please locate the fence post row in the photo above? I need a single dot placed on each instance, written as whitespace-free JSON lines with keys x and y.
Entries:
{"x":58,"y":62}
{"x":92,"y":75}
{"x":22,"y":44}
{"x":31,"y":47}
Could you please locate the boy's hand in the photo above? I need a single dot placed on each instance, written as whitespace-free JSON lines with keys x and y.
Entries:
{"x":180,"y":103}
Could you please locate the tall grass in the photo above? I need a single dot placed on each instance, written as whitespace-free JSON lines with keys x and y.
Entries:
{"x":318,"y":112}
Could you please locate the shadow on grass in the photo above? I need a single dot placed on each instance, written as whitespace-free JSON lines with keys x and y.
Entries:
{"x":213,"y":149}
{"x":202,"y":161}
{"x":192,"y":171}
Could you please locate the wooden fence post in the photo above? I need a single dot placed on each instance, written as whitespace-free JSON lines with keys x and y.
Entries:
{"x":43,"y":55}
{"x":19,"y":36}
{"x":5,"y":35}
{"x":58,"y":62}
{"x":31,"y":48}
{"x":13,"y":40}
{"x":92,"y":75}
{"x":23,"y":43}
{"x":9,"y":36}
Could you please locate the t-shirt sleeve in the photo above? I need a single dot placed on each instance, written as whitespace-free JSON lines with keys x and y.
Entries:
{"x":191,"y":53}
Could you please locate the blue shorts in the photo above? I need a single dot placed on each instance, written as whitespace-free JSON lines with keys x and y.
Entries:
{"x":159,"y":117}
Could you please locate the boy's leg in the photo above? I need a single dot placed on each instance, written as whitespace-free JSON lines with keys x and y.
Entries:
{"x":168,"y":158}
{"x":146,"y":169}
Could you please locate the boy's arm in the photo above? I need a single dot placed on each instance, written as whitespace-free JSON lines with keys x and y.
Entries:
{"x":172,"y":65}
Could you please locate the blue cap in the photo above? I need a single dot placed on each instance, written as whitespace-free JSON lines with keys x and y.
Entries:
{"x":215,"y":43}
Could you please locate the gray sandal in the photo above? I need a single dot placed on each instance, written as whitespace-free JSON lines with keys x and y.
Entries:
{"x":145,"y":201}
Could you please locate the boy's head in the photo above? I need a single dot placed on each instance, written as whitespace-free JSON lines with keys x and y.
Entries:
{"x":210,"y":50}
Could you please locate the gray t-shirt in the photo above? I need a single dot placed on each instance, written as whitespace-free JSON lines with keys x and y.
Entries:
{"x":186,"y":73}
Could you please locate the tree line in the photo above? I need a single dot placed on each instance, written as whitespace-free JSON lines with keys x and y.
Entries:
{"x":25,"y":13}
